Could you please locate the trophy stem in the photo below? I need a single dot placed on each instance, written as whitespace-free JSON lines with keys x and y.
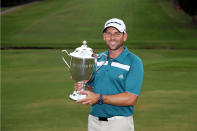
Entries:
{"x":76,"y":94}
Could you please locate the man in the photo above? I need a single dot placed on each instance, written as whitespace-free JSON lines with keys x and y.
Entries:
{"x":114,"y":88}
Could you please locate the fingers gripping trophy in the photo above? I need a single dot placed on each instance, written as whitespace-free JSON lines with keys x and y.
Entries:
{"x":81,"y":64}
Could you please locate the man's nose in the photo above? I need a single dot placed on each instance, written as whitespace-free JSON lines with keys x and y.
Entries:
{"x":112,"y":37}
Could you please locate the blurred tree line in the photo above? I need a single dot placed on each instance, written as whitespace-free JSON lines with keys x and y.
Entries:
{"x":6,"y":3}
{"x":189,"y":7}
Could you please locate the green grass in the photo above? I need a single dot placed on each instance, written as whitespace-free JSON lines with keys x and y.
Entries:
{"x":34,"y":92}
{"x":35,"y":88}
{"x":66,"y":23}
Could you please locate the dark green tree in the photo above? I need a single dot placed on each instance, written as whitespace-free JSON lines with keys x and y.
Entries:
{"x":6,"y":3}
{"x":189,"y":7}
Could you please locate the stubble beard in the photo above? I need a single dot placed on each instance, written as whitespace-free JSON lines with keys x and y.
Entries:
{"x":115,"y":47}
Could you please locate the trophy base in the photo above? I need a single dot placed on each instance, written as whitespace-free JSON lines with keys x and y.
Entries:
{"x":76,"y":96}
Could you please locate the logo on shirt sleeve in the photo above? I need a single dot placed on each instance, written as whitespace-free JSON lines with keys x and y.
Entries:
{"x":121,"y":76}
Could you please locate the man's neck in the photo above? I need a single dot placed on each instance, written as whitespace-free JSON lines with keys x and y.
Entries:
{"x":115,"y":53}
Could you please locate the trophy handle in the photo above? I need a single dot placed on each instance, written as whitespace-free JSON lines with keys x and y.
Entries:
{"x":62,"y":54}
{"x":103,"y":62}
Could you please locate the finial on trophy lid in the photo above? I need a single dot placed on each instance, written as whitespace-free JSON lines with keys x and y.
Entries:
{"x":84,"y":42}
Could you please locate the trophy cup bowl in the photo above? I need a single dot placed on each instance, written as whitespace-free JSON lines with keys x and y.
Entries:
{"x":82,"y":62}
{"x":81,"y":69}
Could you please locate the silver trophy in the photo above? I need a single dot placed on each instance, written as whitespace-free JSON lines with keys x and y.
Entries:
{"x":81,"y":64}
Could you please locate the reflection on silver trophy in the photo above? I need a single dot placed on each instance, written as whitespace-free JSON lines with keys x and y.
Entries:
{"x":82,"y":62}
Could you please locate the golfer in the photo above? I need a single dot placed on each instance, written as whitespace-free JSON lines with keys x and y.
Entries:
{"x":114,"y":89}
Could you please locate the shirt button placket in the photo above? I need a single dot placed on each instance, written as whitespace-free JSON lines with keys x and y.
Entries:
{"x":108,"y":66}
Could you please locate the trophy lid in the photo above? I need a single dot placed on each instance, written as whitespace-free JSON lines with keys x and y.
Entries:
{"x":83,"y":52}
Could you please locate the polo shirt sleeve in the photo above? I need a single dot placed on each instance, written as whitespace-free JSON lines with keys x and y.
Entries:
{"x":135,"y":77}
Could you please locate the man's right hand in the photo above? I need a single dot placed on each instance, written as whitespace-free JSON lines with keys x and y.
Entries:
{"x":78,"y":86}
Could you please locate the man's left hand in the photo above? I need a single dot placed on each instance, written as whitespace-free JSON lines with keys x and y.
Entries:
{"x":91,"y":98}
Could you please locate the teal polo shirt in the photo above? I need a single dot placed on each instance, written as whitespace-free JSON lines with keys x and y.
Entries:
{"x":122,"y":74}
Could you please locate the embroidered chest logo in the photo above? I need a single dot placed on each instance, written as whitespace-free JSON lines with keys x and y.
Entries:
{"x":121,"y":76}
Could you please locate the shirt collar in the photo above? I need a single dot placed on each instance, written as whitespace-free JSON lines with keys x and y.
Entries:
{"x":120,"y":58}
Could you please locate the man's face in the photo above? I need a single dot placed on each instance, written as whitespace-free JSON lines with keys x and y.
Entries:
{"x":114,"y":39}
